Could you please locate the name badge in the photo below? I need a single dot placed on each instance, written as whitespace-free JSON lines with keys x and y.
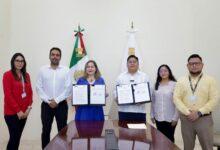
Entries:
{"x":23,"y":95}
{"x":193,"y":98}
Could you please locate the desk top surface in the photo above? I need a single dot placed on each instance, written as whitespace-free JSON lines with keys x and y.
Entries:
{"x":90,"y":135}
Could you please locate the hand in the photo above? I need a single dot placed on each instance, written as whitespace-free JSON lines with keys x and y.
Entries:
{"x":193,"y":116}
{"x":153,"y":120}
{"x":20,"y":115}
{"x":53,"y":104}
{"x":106,"y":95}
{"x":27,"y":111}
{"x":76,"y":107}
{"x":173,"y":123}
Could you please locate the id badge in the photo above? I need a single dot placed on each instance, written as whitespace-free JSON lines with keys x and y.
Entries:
{"x":193,"y":98}
{"x":23,"y":95}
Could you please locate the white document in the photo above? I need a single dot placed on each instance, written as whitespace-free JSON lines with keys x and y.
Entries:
{"x":97,"y":94}
{"x":124,"y":93}
{"x":80,"y":95}
{"x":137,"y":126}
{"x":141,"y":145}
{"x":141,"y":93}
{"x":79,"y":144}
{"x":97,"y":143}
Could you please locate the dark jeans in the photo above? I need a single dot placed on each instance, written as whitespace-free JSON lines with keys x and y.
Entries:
{"x":15,"y":127}
{"x":129,"y":116}
{"x":166,"y":128}
{"x":47,"y":115}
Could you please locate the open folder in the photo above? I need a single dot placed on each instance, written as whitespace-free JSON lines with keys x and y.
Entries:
{"x":88,"y":95}
{"x":133,"y":93}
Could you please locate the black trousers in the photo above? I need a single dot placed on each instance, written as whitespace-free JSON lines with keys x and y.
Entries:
{"x":166,"y":128}
{"x":47,"y":115}
{"x":15,"y":128}
{"x":129,"y":116}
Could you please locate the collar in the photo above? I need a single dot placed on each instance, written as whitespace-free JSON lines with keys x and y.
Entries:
{"x":58,"y":67}
{"x":193,"y":77}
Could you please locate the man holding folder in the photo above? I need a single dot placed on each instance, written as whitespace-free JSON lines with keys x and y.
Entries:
{"x":132,"y":112}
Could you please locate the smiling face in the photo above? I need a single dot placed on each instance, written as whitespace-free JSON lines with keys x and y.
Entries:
{"x":195,"y":66}
{"x":132,"y":65}
{"x":19,"y":63}
{"x":164,"y":72}
{"x":55,"y":57}
{"x":90,"y":69}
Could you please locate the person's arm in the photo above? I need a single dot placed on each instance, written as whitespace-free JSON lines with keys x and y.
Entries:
{"x":66,"y":91}
{"x":115,"y":89}
{"x":9,"y":98}
{"x":176,"y":115}
{"x":212,"y":98}
{"x":31,"y":91}
{"x":152,"y":114}
{"x":30,"y":97}
{"x":39,"y":88}
{"x":178,"y":97}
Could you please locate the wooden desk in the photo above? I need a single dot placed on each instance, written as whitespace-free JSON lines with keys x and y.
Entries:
{"x":89,"y":135}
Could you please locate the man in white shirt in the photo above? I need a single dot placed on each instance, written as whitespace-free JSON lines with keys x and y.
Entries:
{"x":53,"y":87}
{"x":132,"y":112}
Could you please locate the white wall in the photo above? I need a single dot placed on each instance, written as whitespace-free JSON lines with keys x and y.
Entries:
{"x":4,"y":44}
{"x":169,"y":31}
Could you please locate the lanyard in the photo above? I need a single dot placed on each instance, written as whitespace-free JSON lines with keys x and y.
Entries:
{"x":190,"y":81}
{"x":23,"y":85}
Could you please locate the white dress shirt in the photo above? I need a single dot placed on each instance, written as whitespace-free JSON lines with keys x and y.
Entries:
{"x":54,"y":84}
{"x":162,"y":106}
{"x":127,"y":78}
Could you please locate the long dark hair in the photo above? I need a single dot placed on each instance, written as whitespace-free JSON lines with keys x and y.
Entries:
{"x":13,"y":69}
{"x":97,"y":72}
{"x":171,"y":77}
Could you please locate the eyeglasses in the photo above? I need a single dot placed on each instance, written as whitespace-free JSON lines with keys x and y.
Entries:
{"x":194,"y":63}
{"x":19,"y":61}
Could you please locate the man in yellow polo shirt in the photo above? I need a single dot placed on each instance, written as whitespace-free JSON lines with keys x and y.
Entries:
{"x":195,"y":96}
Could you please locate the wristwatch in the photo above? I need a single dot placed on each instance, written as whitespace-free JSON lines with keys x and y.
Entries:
{"x":199,"y":114}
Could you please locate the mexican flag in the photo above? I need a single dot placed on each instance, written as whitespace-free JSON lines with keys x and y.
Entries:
{"x":79,"y":56}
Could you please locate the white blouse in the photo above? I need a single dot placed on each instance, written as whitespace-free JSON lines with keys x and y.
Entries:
{"x":162,"y":106}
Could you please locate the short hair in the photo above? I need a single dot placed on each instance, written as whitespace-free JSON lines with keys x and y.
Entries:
{"x":194,"y":56}
{"x":57,"y":49}
{"x":132,"y":56}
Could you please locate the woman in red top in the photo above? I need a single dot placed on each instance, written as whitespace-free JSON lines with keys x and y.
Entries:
{"x":17,"y":99}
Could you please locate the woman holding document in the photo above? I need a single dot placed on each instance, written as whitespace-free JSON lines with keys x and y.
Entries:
{"x":163,"y":111}
{"x":91,"y":76}
{"x":131,"y":111}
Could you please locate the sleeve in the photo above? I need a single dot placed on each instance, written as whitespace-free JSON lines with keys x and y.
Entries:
{"x":67,"y":89}
{"x":176,"y":115}
{"x":39,"y":88}
{"x":212,"y":98}
{"x":7,"y":88}
{"x":101,"y":81}
{"x":152,"y":114}
{"x":115,"y":88}
{"x":31,"y":91}
{"x":178,"y":97}
{"x":79,"y":81}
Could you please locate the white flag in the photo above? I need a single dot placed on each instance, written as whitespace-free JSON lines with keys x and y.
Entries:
{"x":131,"y":49}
